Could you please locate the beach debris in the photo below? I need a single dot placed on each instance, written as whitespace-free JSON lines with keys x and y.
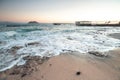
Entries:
{"x":98,"y":54}
{"x":78,"y":73}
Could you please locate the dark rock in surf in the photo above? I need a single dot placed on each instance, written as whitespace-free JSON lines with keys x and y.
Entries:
{"x":98,"y":54}
{"x":14,"y":49}
{"x":56,"y":23}
{"x":33,"y":43}
{"x":29,"y":67}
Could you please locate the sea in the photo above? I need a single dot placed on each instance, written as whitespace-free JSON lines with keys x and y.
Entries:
{"x":47,"y":40}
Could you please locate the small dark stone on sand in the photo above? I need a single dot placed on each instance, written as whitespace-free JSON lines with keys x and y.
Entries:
{"x":78,"y":73}
{"x":50,"y":64}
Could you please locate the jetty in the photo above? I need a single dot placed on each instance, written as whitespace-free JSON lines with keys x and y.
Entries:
{"x":97,"y":23}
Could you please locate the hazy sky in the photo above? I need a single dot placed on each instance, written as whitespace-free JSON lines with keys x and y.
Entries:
{"x":59,"y":10}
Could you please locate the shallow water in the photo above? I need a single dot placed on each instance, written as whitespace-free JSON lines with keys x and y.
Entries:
{"x":50,"y":40}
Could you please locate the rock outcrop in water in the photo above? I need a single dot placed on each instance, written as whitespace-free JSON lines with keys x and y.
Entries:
{"x":56,"y":23}
{"x":32,"y":44}
{"x":27,"y":69}
{"x":98,"y":54}
{"x":33,"y":22}
{"x":14,"y":49}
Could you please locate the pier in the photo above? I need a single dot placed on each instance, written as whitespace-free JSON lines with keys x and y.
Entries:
{"x":97,"y":23}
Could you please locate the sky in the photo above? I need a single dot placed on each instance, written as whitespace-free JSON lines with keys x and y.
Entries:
{"x":50,"y":11}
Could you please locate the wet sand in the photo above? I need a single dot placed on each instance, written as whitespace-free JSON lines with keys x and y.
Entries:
{"x":72,"y":66}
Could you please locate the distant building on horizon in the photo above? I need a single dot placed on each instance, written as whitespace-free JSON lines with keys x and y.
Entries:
{"x":83,"y":23}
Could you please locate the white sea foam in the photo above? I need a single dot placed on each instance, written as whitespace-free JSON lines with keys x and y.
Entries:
{"x":54,"y":40}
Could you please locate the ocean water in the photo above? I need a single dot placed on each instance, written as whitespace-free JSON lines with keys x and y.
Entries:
{"x":51,"y":40}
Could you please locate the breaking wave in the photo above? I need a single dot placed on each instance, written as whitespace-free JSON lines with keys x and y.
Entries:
{"x":51,"y":40}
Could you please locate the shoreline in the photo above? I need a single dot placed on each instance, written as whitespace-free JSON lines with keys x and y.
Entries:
{"x":75,"y":66}
{"x":67,"y":66}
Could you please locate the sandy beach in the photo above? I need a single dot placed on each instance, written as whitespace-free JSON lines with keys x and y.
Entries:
{"x":72,"y":66}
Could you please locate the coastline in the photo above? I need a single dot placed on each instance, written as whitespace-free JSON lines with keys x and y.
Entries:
{"x":67,"y":66}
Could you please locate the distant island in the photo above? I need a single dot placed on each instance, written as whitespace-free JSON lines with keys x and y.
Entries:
{"x":97,"y":23}
{"x":33,"y":22}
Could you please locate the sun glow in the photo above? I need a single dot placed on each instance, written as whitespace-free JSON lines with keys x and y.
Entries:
{"x":61,"y":11}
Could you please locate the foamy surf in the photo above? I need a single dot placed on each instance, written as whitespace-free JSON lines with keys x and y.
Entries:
{"x":53,"y":40}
